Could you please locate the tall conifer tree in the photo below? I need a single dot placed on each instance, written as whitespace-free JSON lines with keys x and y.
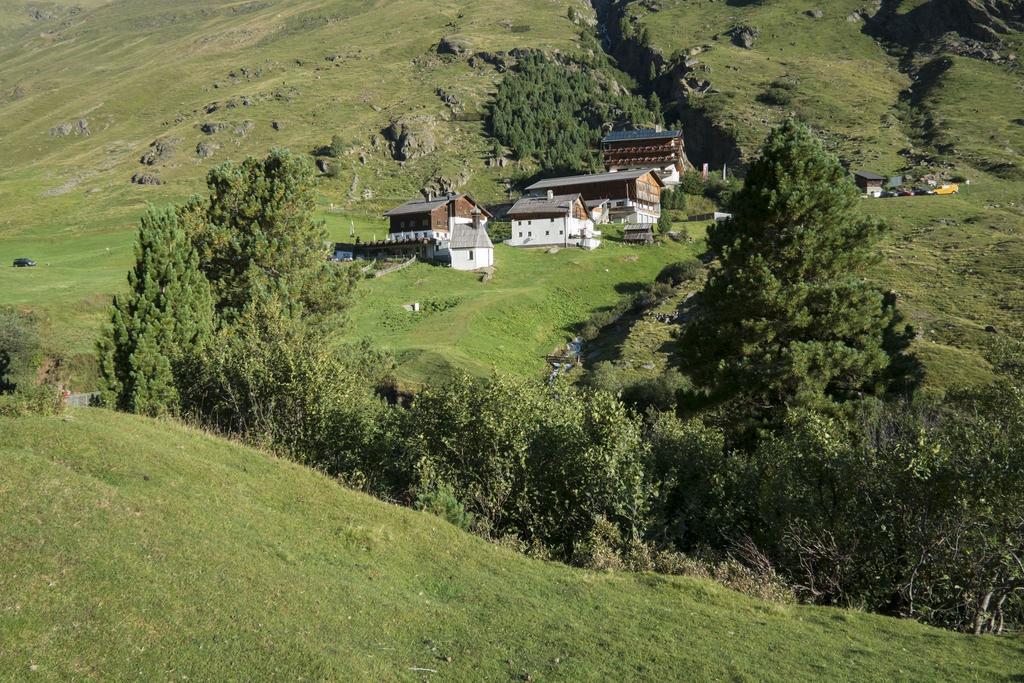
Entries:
{"x":159,"y":327}
{"x":257,"y":237}
{"x":787,"y":318}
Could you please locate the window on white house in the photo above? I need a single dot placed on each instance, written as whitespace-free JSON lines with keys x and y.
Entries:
{"x":471,"y":255}
{"x":520,"y":234}
{"x":529,"y":222}
{"x":529,"y":234}
{"x":561,"y":232}
{"x":547,"y":232}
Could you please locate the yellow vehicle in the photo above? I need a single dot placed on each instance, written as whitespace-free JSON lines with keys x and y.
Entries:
{"x":948,"y":189}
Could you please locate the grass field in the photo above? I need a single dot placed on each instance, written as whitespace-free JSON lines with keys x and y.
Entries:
{"x":138,"y":72}
{"x":146,"y":550}
{"x":509,"y":324}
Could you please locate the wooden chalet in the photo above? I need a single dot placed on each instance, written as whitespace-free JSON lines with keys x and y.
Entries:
{"x":633,"y":196}
{"x":432,"y":216}
{"x":627,"y":150}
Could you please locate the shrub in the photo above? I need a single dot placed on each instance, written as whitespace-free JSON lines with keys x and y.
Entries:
{"x":691,"y":182}
{"x":779,"y":93}
{"x":440,"y":500}
{"x":673,"y":199}
{"x":40,"y":399}
{"x":679,"y":272}
{"x":664,"y":223}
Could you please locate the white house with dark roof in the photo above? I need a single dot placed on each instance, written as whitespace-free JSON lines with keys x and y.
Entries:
{"x":470,"y":246}
{"x":632,"y":196}
{"x":552,"y":220}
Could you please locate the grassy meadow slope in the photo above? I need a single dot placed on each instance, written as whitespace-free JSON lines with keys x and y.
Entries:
{"x":534,"y":303}
{"x":954,"y":261}
{"x":138,"y":71}
{"x":135,"y":548}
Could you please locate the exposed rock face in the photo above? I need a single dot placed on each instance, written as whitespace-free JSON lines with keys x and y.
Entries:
{"x":211,"y":128}
{"x":979,"y":19}
{"x":159,"y":151}
{"x":452,"y":45}
{"x":744,"y":36}
{"x":79,"y":127}
{"x":146,"y":179}
{"x":814,"y":13}
{"x":205,"y":150}
{"x":407,"y":144}
{"x":244,"y":128}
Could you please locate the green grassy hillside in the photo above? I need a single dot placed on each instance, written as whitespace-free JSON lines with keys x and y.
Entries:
{"x":137,"y":72}
{"x":534,"y":303}
{"x":913,"y":110}
{"x":140,"y":549}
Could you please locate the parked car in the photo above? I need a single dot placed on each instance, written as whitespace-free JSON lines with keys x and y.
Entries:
{"x":24,"y":263}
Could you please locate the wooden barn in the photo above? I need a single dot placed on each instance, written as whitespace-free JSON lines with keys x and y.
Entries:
{"x":638,"y":233}
{"x":628,"y":150}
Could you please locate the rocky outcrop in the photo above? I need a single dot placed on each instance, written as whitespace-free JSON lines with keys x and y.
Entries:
{"x":160,"y":151}
{"x":79,"y":127}
{"x":453,"y":45}
{"x":146,"y":179}
{"x":205,"y":150}
{"x":985,"y":20}
{"x":211,"y":128}
{"x":743,"y":36}
{"x":407,"y":141}
{"x":677,"y":80}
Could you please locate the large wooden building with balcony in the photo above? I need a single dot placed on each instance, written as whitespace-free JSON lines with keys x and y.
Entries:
{"x":432,"y":216}
{"x":627,"y":150}
{"x":632,"y":196}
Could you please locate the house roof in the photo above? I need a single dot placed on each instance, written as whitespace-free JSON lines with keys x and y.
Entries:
{"x":644,"y":134}
{"x":467,"y":237}
{"x":868,"y":175}
{"x":424,"y":205}
{"x":609,"y":177}
{"x":561,"y":203}
{"x":594,"y":203}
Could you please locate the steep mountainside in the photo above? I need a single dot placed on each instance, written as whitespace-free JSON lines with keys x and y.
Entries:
{"x":145,"y":550}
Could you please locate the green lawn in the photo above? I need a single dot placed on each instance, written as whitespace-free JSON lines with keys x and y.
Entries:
{"x":146,"y":550}
{"x":533,"y":304}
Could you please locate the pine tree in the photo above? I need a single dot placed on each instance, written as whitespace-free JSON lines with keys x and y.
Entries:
{"x":159,"y":326}
{"x":256,"y":237}
{"x":786,"y":318}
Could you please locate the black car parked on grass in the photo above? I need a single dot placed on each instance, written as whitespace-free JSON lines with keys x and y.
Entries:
{"x":24,"y":263}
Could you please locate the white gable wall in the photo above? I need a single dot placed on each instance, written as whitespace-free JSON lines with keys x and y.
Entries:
{"x":541,"y":232}
{"x":472,"y":259}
